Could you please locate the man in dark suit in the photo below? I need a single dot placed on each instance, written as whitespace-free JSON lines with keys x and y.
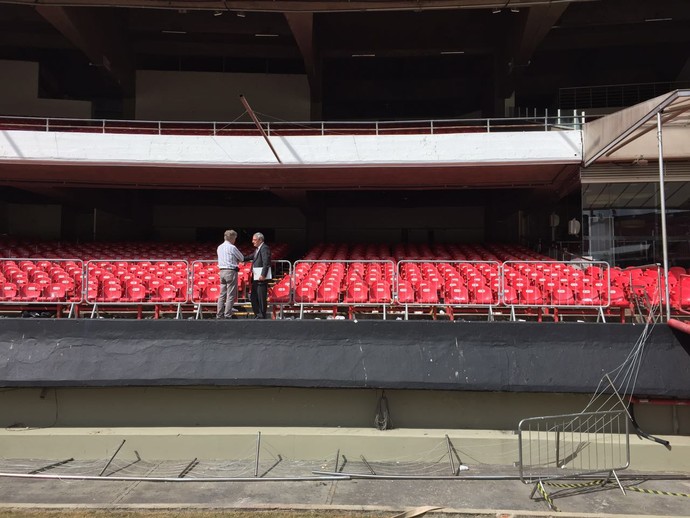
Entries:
{"x":261,"y":272}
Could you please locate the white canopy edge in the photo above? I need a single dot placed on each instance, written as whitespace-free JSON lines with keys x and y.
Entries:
{"x":610,"y":133}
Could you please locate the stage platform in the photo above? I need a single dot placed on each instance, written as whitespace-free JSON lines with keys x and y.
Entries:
{"x":453,"y":356}
{"x":77,"y":387}
{"x":464,"y":356}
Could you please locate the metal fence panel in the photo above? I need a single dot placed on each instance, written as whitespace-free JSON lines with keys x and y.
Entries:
{"x":571,"y":445}
{"x":448,"y":283}
{"x":556,"y":284}
{"x":344,"y":282}
{"x":205,"y":280}
{"x":133,"y":282}
{"x":41,"y":281}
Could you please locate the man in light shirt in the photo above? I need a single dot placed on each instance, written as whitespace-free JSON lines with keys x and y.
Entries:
{"x":229,"y":259}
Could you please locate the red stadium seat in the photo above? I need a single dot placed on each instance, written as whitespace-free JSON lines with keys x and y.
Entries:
{"x":166,"y":293}
{"x":588,"y":297}
{"x":456,"y":294}
{"x":427,"y":293}
{"x":616,"y":298}
{"x":112,"y":293}
{"x":210,"y":293}
{"x":135,"y":292}
{"x":562,"y":296}
{"x":305,"y":293}
{"x":30,"y":291}
{"x":380,"y":293}
{"x":180,"y":285}
{"x":405,"y":293}
{"x":92,"y":293}
{"x":356,"y":293}
{"x":510,"y":296}
{"x":327,"y":293}
{"x":280,"y":293}
{"x":482,"y":295}
{"x":9,"y":292}
{"x":530,"y":296}
{"x":56,"y":292}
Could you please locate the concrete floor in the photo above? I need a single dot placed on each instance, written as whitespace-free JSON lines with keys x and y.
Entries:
{"x":458,"y":495}
{"x":115,"y":468}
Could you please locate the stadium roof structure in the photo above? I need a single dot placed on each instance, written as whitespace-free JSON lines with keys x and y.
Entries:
{"x":364,"y":59}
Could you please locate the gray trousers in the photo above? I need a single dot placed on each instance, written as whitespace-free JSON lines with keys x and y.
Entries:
{"x":228,"y":293}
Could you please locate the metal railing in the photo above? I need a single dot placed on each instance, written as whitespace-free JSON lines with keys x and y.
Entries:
{"x":614,"y":96}
{"x":448,"y":283}
{"x":333,"y":283}
{"x":573,"y":445}
{"x":204,"y":285}
{"x":578,"y":285}
{"x":41,"y":281}
{"x":530,"y":122}
{"x":136,"y":282}
{"x":556,"y":284}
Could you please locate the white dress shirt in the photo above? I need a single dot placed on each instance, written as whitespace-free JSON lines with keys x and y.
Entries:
{"x":229,"y":256}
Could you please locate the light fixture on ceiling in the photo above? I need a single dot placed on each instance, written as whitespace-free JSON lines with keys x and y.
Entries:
{"x":650,"y":20}
{"x":449,"y":52}
{"x":265,"y":35}
{"x":166,"y":31}
{"x":497,"y":10}
{"x":363,"y":55}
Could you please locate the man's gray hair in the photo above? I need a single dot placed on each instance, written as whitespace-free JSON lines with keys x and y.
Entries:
{"x":259,"y":236}
{"x":229,"y":235}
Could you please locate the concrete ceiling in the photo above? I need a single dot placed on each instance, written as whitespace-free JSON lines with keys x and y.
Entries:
{"x":364,"y":59}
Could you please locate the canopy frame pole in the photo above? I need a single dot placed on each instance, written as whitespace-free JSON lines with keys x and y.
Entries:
{"x":662,"y":196}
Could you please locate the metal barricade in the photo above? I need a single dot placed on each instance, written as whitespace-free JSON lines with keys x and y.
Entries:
{"x":450,"y":284}
{"x":42,"y":281}
{"x":281,"y":287}
{"x":573,"y":446}
{"x":556,"y":284}
{"x":337,"y":283}
{"x":136,"y":283}
{"x":646,"y":287}
{"x":205,"y":284}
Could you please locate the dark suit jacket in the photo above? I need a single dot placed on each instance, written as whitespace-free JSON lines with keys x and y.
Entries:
{"x":260,"y":258}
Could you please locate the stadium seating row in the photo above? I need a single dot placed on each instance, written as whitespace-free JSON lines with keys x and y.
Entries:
{"x":126,"y":250}
{"x":467,"y":275}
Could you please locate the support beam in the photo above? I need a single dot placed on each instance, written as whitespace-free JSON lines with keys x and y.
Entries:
{"x":100,"y":35}
{"x":302,"y":27}
{"x":684,"y":74}
{"x":303,"y":5}
{"x":535,"y":26}
{"x":259,"y":127}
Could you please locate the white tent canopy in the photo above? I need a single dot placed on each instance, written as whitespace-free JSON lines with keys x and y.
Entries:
{"x":630,"y":134}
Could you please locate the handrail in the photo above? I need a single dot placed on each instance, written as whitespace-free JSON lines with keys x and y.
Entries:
{"x":545,"y":122}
